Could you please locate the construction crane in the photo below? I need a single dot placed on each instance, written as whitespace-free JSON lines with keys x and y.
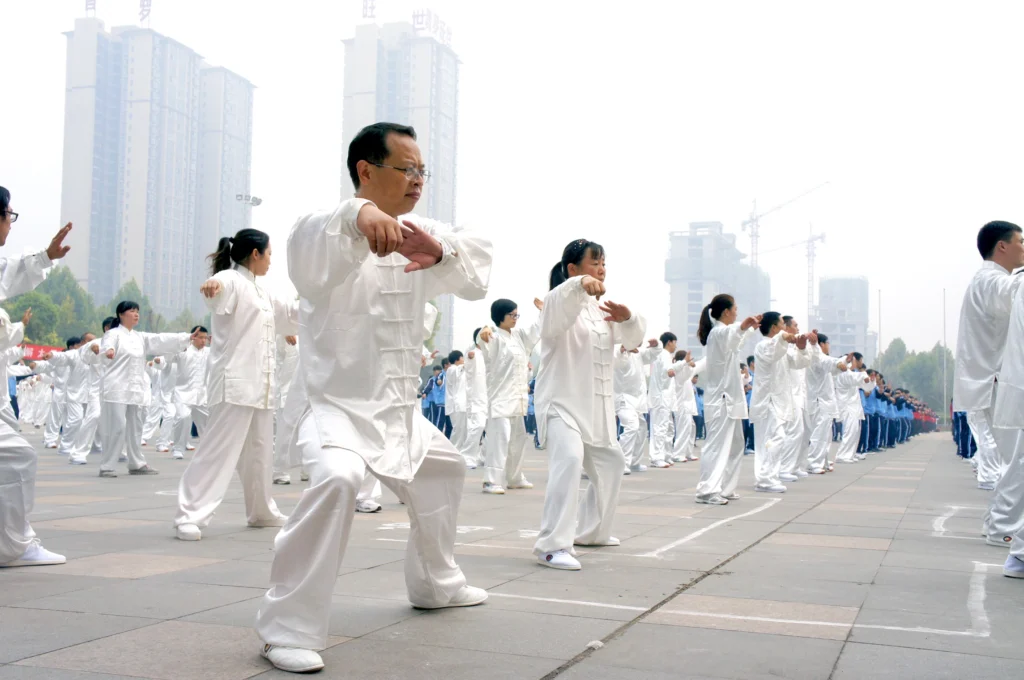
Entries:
{"x":810,"y":243}
{"x":753,"y":223}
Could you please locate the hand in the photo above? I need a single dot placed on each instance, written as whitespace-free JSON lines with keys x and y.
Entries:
{"x":471,"y":355}
{"x":842,"y":366}
{"x":750,"y":322}
{"x":616,"y":313}
{"x":57,"y":249}
{"x":652,"y":343}
{"x":529,"y":365}
{"x":485,"y":334}
{"x":26,"y":317}
{"x":434,"y":353}
{"x":538,"y":303}
{"x":32,"y":365}
{"x":813,"y":337}
{"x":211,"y":288}
{"x":291,"y":340}
{"x":95,"y":349}
{"x":423,"y":362}
{"x":421,"y":249}
{"x":110,"y":353}
{"x":47,"y":356}
{"x":157,"y":360}
{"x":801,"y":342}
{"x":382,"y":231}
{"x":788,"y":337}
{"x":671,"y":373}
{"x":592,"y":286}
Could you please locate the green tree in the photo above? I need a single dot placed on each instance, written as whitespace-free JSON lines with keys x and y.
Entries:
{"x":41,"y":329}
{"x":149,"y":320}
{"x":185,"y":321}
{"x":919,"y":372}
{"x":77,"y":311}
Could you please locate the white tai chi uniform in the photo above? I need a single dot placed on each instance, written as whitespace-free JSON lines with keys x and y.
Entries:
{"x":685,"y":409}
{"x":476,"y":406}
{"x":361,"y":330}
{"x":58,"y":403}
{"x":88,"y":436}
{"x":242,"y":393}
{"x":851,"y":411}
{"x":44,"y":396}
{"x":795,"y":447}
{"x":76,"y":393}
{"x":287,"y":363}
{"x":17,"y":457}
{"x":190,"y":369}
{"x":822,"y":407}
{"x":772,"y":407}
{"x":507,"y":356}
{"x":125,"y":390}
{"x":455,"y":405}
{"x":725,"y":407}
{"x":660,"y":401}
{"x":981,"y":339}
{"x":154,"y":409}
{"x":629,"y":384}
{"x":10,"y":358}
{"x":1005,"y":516}
{"x":576,"y":416}
{"x":169,"y":412}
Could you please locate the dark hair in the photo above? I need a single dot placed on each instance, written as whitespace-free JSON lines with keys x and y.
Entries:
{"x":475,"y":334}
{"x":438,"y":368}
{"x":858,"y":356}
{"x":871,"y":371}
{"x":5,"y":200}
{"x":786,"y":320}
{"x":445,"y":363}
{"x":992,"y":233}
{"x":573,"y":254}
{"x":822,"y":338}
{"x":454,"y":356}
{"x":667,"y":337}
{"x":769,"y":319}
{"x":750,"y":360}
{"x":122,"y":307}
{"x":237,"y":248}
{"x":679,"y":355}
{"x":108,"y":323}
{"x":201,"y":329}
{"x":72,"y":341}
{"x":500,"y":309}
{"x":713,"y":310}
{"x":742,"y":365}
{"x":371,"y":145}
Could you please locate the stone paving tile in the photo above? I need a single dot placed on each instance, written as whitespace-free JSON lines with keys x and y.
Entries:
{"x":73,"y":499}
{"x":28,"y":632}
{"x":811,"y":591}
{"x":850,"y":542}
{"x":90,"y":524}
{"x":19,"y":585}
{"x":32,"y":673}
{"x":837,"y":530}
{"x":125,"y":565}
{"x":880,"y":662}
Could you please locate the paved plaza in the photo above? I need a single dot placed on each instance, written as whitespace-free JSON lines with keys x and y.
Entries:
{"x":875,"y":571}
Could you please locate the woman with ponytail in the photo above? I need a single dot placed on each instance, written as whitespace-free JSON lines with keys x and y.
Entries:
{"x":241,"y":390}
{"x":725,"y":406}
{"x":575,"y":406}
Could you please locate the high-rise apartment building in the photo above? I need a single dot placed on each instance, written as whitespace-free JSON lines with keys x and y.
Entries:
{"x":842,"y":314}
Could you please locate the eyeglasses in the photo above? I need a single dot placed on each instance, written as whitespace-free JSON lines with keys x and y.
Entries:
{"x":515,"y":316}
{"x":411,"y":174}
{"x":13,"y":215}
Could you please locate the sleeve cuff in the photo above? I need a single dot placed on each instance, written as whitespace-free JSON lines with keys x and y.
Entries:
{"x":347,"y":215}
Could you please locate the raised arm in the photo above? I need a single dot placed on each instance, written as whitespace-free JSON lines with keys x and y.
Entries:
{"x":164,"y":343}
{"x":562,"y":306}
{"x":325,"y":248}
{"x":465,"y":266}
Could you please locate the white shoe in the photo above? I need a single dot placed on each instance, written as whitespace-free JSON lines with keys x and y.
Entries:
{"x":36,"y":556}
{"x":292,"y":659}
{"x":367,"y":506}
{"x":468,"y":596}
{"x":638,"y":468}
{"x":678,"y":459}
{"x":627,"y":471}
{"x":817,"y":472}
{"x":163,"y":449}
{"x":267,"y":523}
{"x":493,"y":489}
{"x":189,"y":447}
{"x":732,"y":496}
{"x":144,"y":443}
{"x":786,"y":477}
{"x":661,"y":464}
{"x":774,"y":488}
{"x":304,"y":477}
{"x":76,"y":461}
{"x":860,"y":456}
{"x":846,"y":462}
{"x":283,"y":479}
{"x":986,"y":486}
{"x":713,"y":499}
{"x":470,"y":466}
{"x":188,"y":532}
{"x":520,"y":485}
{"x":610,"y":543}
{"x":51,"y":446}
{"x":999,"y":541}
{"x":178,"y":455}
{"x":690,"y":459}
{"x":801,"y":473}
{"x":122,"y":459}
{"x":560,"y":559}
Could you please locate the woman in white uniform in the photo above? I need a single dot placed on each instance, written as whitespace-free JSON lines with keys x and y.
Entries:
{"x":124,"y":350}
{"x":241,"y":389}
{"x":575,"y":404}
{"x":725,"y":405}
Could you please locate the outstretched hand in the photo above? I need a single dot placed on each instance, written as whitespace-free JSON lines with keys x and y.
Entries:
{"x":421,"y":249}
{"x":750,"y":322}
{"x":26,"y":317}
{"x":56,"y":250}
{"x":211,"y":288}
{"x":485,"y":334}
{"x":616,"y":313}
{"x":538,"y":303}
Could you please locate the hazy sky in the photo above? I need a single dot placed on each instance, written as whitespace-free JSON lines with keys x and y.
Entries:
{"x":619,"y":123}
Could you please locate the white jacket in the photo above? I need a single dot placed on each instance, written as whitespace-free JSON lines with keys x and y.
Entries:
{"x":245,"y":325}
{"x":507,"y":356}
{"x":686,"y":395}
{"x":725,"y":383}
{"x":661,"y":387}
{"x":630,"y":381}
{"x":455,"y":397}
{"x":76,"y":372}
{"x":287,"y":363}
{"x":97,"y":368}
{"x":191,"y":369}
{"x":361,"y":332}
{"x":773,"y":387}
{"x":981,"y":338}
{"x":125,"y":378}
{"x":848,"y":388}
{"x":1009,"y":406}
{"x":577,"y":350}
{"x":821,"y":389}
{"x":476,"y":381}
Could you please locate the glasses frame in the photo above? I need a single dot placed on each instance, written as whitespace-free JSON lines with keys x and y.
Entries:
{"x":410,"y":173}
{"x":13,"y":215}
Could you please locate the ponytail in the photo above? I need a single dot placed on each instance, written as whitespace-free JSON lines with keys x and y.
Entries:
{"x":713,"y":310}
{"x":558,"y":276}
{"x":238,"y":249}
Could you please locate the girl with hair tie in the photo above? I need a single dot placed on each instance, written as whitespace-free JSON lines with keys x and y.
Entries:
{"x":575,"y":404}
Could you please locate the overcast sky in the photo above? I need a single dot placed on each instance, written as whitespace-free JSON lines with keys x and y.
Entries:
{"x":620,"y":122}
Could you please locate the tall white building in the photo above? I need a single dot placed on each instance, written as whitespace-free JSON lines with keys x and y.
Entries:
{"x":133,"y":158}
{"x":703,"y":262}
{"x":842,"y":314}
{"x":400,"y":73}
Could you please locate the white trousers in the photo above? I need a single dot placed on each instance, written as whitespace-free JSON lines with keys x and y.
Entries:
{"x":634,"y":435}
{"x":17,"y":493}
{"x":309,"y":549}
{"x":165,"y":434}
{"x":460,"y":432}
{"x":821,"y":439}
{"x":237,"y":437}
{"x":42,"y":408}
{"x":722,"y":453}
{"x":794,"y":447}
{"x":769,"y":447}
{"x":54,"y":421}
{"x":74,"y":416}
{"x":121,"y":425}
{"x":661,"y":434}
{"x":995,"y":445}
{"x":370,"y":489}
{"x":86,"y":434}
{"x":851,"y":437}
{"x":153,"y":413}
{"x":1005,"y":514}
{"x":686,"y":436}
{"x":567,"y":517}
{"x":504,"y":449}
{"x":476,"y":421}
{"x":7,"y":415}
{"x":184,"y":416}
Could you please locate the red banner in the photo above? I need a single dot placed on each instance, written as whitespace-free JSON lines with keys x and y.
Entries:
{"x":36,"y":352}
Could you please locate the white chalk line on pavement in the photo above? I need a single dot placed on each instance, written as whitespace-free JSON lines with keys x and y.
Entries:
{"x":700,"y":532}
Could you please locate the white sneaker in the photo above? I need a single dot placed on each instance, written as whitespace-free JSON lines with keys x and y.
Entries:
{"x":817,"y":472}
{"x":678,"y":459}
{"x":493,"y":489}
{"x":178,"y":455}
{"x":36,"y":556}
{"x":283,"y":479}
{"x":189,"y":447}
{"x":610,"y":543}
{"x":304,"y":477}
{"x":986,"y":486}
{"x":661,"y":464}
{"x":162,"y":449}
{"x":292,"y":659}
{"x":786,"y":477}
{"x":468,"y":596}
{"x":76,"y":461}
{"x":774,"y":488}
{"x":188,"y":532}
{"x":713,"y":499}
{"x":1014,"y":567}
{"x":560,"y":559}
{"x":638,"y":468}
{"x":520,"y":485}
{"x":860,"y":456}
{"x":732,"y":496}
{"x":999,"y":541}
{"x":266,"y":523}
{"x":801,"y":473}
{"x":470,"y":466}
{"x":690,"y":459}
{"x":627,"y":471}
{"x":367,"y":506}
